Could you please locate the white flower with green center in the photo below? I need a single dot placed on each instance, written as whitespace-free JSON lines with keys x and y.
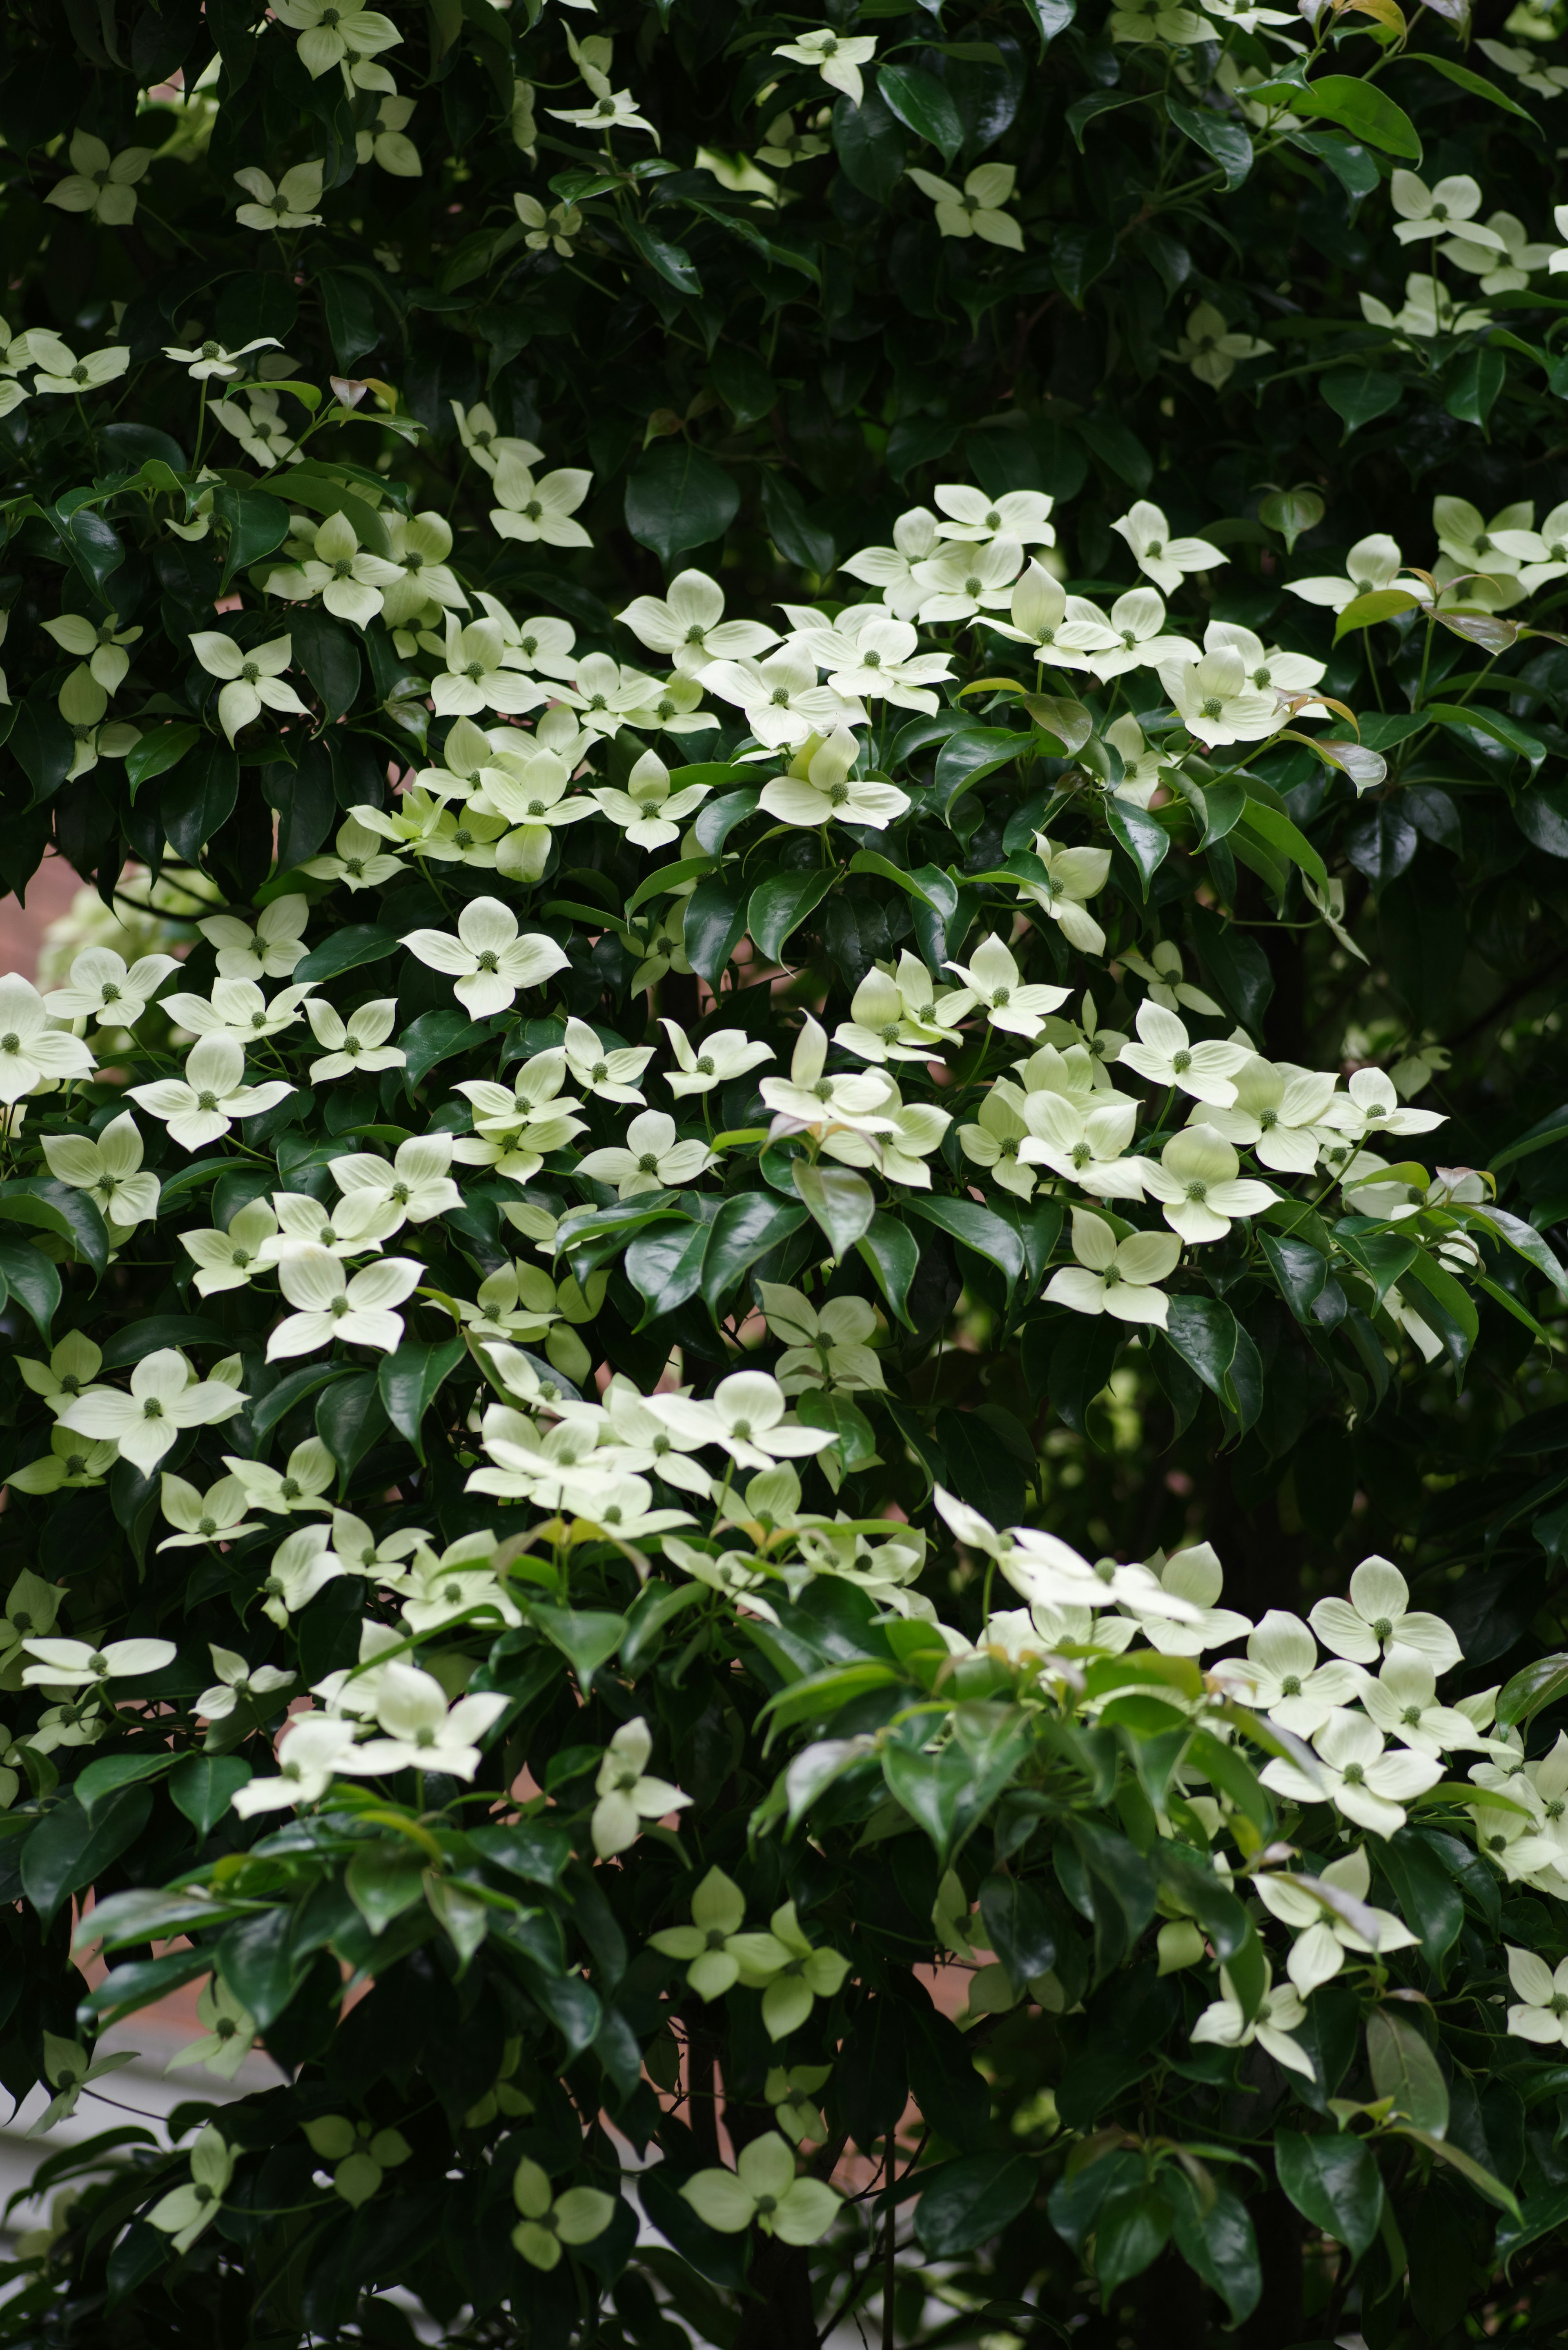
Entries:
{"x":102,"y":988}
{"x":106,"y":1170}
{"x":1356,"y":1775}
{"x":783,"y":705}
{"x":101,"y":644}
{"x":1022,"y":515}
{"x":893,"y":569}
{"x":1212,"y":348}
{"x":518,"y":1301}
{"x":1541,"y":2013}
{"x":539,"y":512}
{"x":70,"y":1371}
{"x":204,"y":1104}
{"x":1325,"y":1934}
{"x":385,"y":140}
{"x":77,"y":1664}
{"x":1071,"y":876}
{"x":301,"y":1485}
{"x":1277,"y":1113}
{"x":1281,"y":2015}
{"x":828,"y":1346}
{"x":99,"y":182}
{"x":212,"y":359}
{"x":1378,"y":1619}
{"x":228,"y":2034}
{"x":1215,"y":700}
{"x":746,"y":1415}
{"x":764,"y":2187}
{"x":809,"y":1097}
{"x":1281,"y":1677}
{"x":991,"y":979}
{"x":838,"y":58}
{"x":1084,"y":1141}
{"x":892,"y":1015}
{"x":72,"y":1463}
{"x":433,"y":1592}
{"x":650,"y":1159}
{"x":238,"y":1682}
{"x":270,"y":950}
{"x":688,"y":625}
{"x":348,"y":578}
{"x":416,"y":1186}
{"x":1509,"y":272}
{"x":965,"y":580}
{"x":820,"y":789}
{"x":1114,"y":1276}
{"x":421,"y":544}
{"x":1201,"y":1187}
{"x":1132,"y":637}
{"x":608,"y":1071}
{"x":1477,"y":544}
{"x":310,"y":1752}
{"x":784,"y":144}
{"x":625,"y":1794}
{"x":259,"y":426}
{"x":1165,"y":1056}
{"x":711,"y":1060}
{"x":488,"y":961}
{"x":32,"y":1052}
{"x":871,"y":655}
{"x":290,"y":203}
{"x":477,"y":676}
{"x":187,"y":2210}
{"x":648,"y":812}
{"x":1432,"y":212}
{"x":362,"y":1552}
{"x":995,"y":1139}
{"x":1166,"y":560}
{"x":549,"y":2222}
{"x":334,"y":32}
{"x":545,"y":644}
{"x":1193,"y":1574}
{"x":165,"y":1397}
{"x":217,"y":1515}
{"x":237,"y":1008}
{"x":88,"y":374}
{"x":718,"y":1912}
{"x":357,"y":1046}
{"x":898,"y":1152}
{"x":975,"y":209}
{"x":330,"y":1306}
{"x":422,"y":1731}
{"x":485,"y":442}
{"x":1403,"y":1702}
{"x":303,"y":1222}
{"x":1372,"y":564}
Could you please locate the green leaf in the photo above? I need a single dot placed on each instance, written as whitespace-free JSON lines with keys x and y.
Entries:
{"x":161,"y":748}
{"x":842,"y":1203}
{"x":1404,"y":2068}
{"x":871,"y":150}
{"x":664,"y":1266}
{"x":924,"y":105}
{"x":748,"y":1226}
{"x":717,"y":819}
{"x":1147,"y":842}
{"x":126,"y":1988}
{"x":256,"y":524}
{"x":1207,"y":1336}
{"x":676,"y":266}
{"x":676,"y":498}
{"x":112,"y":1771}
{"x":349,"y":1419}
{"x":852,"y":1432}
{"x":204,"y":1786}
{"x":199,"y":801}
{"x":867,"y":860}
{"x":971,"y":2200}
{"x":1282,"y":836}
{"x":1379,"y":604}
{"x":1333,"y":2182}
{"x":1472,"y":718}
{"x":1471,"y":2171}
{"x":293,"y":1388}
{"x":585,"y":1637}
{"x":655,"y":1608}
{"x":778,"y":907}
{"x":34,"y":1280}
{"x":980,"y":1229}
{"x":407,"y":1382}
{"x":798,"y":538}
{"x":1132,"y":2232}
{"x":349,"y":949}
{"x":1476,"y":380}
{"x":1019,"y":1927}
{"x":47,"y":1206}
{"x":668,"y":876}
{"x":1215,"y":2237}
{"x":1359,"y":395}
{"x":70,"y":1846}
{"x":1539,"y":1684}
{"x":1359,"y":107}
{"x":1476,"y":84}
{"x":893,"y":1254}
{"x":384,"y":1879}
{"x":1217,"y":135}
{"x":715,"y":925}
{"x":1429,"y":1899}
{"x":327,"y":650}
{"x":257,"y":1960}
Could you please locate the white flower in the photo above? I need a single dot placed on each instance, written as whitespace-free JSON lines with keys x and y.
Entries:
{"x":992,"y":978}
{"x":688,"y":625}
{"x":385,"y":140}
{"x":186,"y":2211}
{"x":996,"y":1139}
{"x":331,"y":35}
{"x":270,"y":950}
{"x":975,"y":209}
{"x":651,"y":1159}
{"x":868,"y":652}
{"x":216,"y":1515}
{"x":422,"y":1732}
{"x":485,"y":442}
{"x":1022,"y":515}
{"x":722,"y":1054}
{"x":1542,"y":2014}
{"x":838,"y":58}
{"x":783,"y":703}
{"x":238,"y":1682}
{"x":1532,"y":72}
{"x":1200,"y":1188}
{"x":1050,"y":1573}
{"x":1429,"y":309}
{"x":1266,"y":666}
{"x":228,"y":2030}
{"x":259,"y":427}
{"x":90,"y":374}
{"x":254,"y":678}
{"x":1372,"y":563}
{"x":102,"y":646}
{"x":626,"y":1796}
{"x":965,"y":580}
{"x":380,"y":1198}
{"x":487,"y":959}
{"x":1166,"y":560}
{"x":763,"y":2185}
{"x":819,"y":787}
{"x":107,"y":1170}
{"x":1165,"y":1056}
{"x":211,"y":358}
{"x":313,"y":1747}
{"x":648,"y":811}
{"x":1114,"y":1277}
{"x":1277,"y":1110}
{"x":1283,"y":1677}
{"x":358,"y":863}
{"x":1280,"y":2014}
{"x":554,"y":228}
{"x":1353,"y":1772}
{"x":1323,"y":1934}
{"x":355,"y":1046}
{"x":332,"y":1307}
{"x":1043,"y":615}
{"x":1195,"y":1575}
{"x":1431,"y":211}
{"x":310,"y":1472}
{"x":745,"y":1414}
{"x":1071,"y":875}
{"x":100,"y":183}
{"x":1369,"y":1104}
{"x":1132,"y":638}
{"x":477,"y":676}
{"x":421,"y":544}
{"x":237,"y":1008}
{"x":233,"y":1258}
{"x":825,"y":1348}
{"x":893,"y":569}
{"x":1214,"y":699}
{"x":347,"y":578}
{"x":539,"y":512}
{"x":892,"y":1015}
{"x":1403,"y":1703}
{"x":611,"y":110}
{"x":814,"y":1099}
{"x":579,"y":2216}
{"x":32,"y":1052}
{"x":204,"y":1104}
{"x":1212,"y":347}
{"x":77,"y":1664}
{"x":608,"y":1072}
{"x":102,"y":989}
{"x":164,"y":1397}
{"x":1083,"y":1140}
{"x":71,"y":1464}
{"x":1376,"y":1618}
{"x":288,"y":204}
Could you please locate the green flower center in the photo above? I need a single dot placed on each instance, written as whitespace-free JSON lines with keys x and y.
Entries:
{"x":1291,"y":1686}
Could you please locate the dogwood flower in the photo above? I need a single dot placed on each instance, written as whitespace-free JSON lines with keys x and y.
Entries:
{"x":539,"y":512}
{"x":1166,"y":560}
{"x":1355,"y":1773}
{"x":1022,"y":515}
{"x":288,"y":204}
{"x":625,"y":1794}
{"x":1195,"y":1575}
{"x":688,"y":625}
{"x":893,"y":569}
{"x":992,"y":978}
{"x":825,"y":1347}
{"x":745,"y":1415}
{"x":311,"y":1750}
{"x":77,"y":1664}
{"x":164,"y":1397}
{"x":270,"y":950}
{"x":722,"y":1054}
{"x":1214,"y":699}
{"x":477,"y":676}
{"x":100,"y":183}
{"x":965,"y":580}
{"x":814,"y":1099}
{"x":1082,"y":1140}
{"x":423,"y":1733}
{"x":330,"y":1306}
{"x":107,"y":1171}
{"x":1280,"y":2015}
{"x":1199,"y":1187}
{"x":892,"y":1015}
{"x":237,"y":1007}
{"x":229,"y":2030}
{"x":357,"y":861}
{"x":32,"y":1052}
{"x":385,"y":139}
{"x":205,"y":1103}
{"x":101,"y":644}
{"x":818,"y":788}
{"x":1376,"y":1618}
{"x":1212,"y":348}
{"x":488,"y":961}
{"x":712,"y":1947}
{"x":996,"y":1137}
{"x":236,"y":1683}
{"x":838,"y":58}
{"x":331,"y":36}
{"x":309,"y":1474}
{"x":1281,"y":1676}
{"x":88,"y":374}
{"x":975,"y":209}
{"x":648,"y":811}
{"x":260,"y":428}
{"x":1431,"y":211}
{"x":216,"y":1515}
{"x":205,"y":361}
{"x":102,"y":989}
{"x":1116,"y":1277}
{"x":1509,"y":272}
{"x":1071,"y":875}
{"x":232,"y":1259}
{"x":421,"y":544}
{"x":356,"y":1046}
{"x":186,"y":2211}
{"x":1324,"y":1935}
{"x":1165,"y":1056}
{"x":348,"y":578}
{"x":783,"y":703}
{"x":380,"y":1197}
{"x":764,"y":2185}
{"x":579,"y":2216}
{"x":1373,"y":563}
{"x":650,"y":1159}
{"x":72,"y":1463}
{"x":485,"y":442}
{"x":1541,"y":2013}
{"x":608,"y":1072}
{"x":1402,"y":1701}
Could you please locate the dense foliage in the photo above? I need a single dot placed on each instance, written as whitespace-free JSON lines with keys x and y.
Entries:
{"x":783,"y":1456}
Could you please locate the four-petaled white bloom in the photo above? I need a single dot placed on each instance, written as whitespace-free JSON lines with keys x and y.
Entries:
{"x":975,"y":209}
{"x":186,"y":2211}
{"x":1356,"y":1775}
{"x":1280,"y":2016}
{"x":290,"y":203}
{"x":100,"y":183}
{"x":107,"y":1171}
{"x":648,"y":811}
{"x":688,"y":625}
{"x":165,"y":1398}
{"x":625,"y":1794}
{"x":380,"y":1198}
{"x":255,"y":677}
{"x":348,"y":578}
{"x":837,"y":56}
{"x":102,"y":989}
{"x":745,"y":1414}
{"x":1216,"y":701}
{"x":713,"y":1059}
{"x":206,"y":360}
{"x":820,"y":788}
{"x":1116,"y":1277}
{"x":1199,"y":1185}
{"x":357,"y":1046}
{"x":1378,"y":1619}
{"x":330,"y":1306}
{"x":487,"y":959}
{"x":1166,"y":560}
{"x":216,"y":1515}
{"x":1323,"y":1934}
{"x":813,"y":1099}
{"x":205,"y":1103}
{"x":1541,"y":2012}
{"x":270,"y":950}
{"x":236,"y":1681}
{"x":540,"y":511}
{"x":992,"y":978}
{"x":1166,"y":1055}
{"x":1432,"y":212}
{"x":313,"y":1746}
{"x":650,"y":1159}
{"x":31,"y":1051}
{"x":422,"y":1732}
{"x":77,"y":1664}
{"x":1212,"y":347}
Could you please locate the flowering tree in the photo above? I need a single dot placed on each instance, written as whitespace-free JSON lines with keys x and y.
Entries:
{"x":783,"y":1455}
